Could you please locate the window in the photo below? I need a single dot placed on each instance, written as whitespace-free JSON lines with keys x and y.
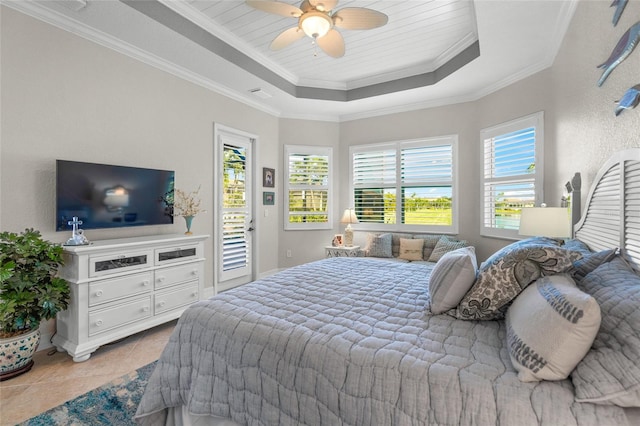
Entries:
{"x":512,"y":173}
{"x":308,"y":187}
{"x":407,"y":185}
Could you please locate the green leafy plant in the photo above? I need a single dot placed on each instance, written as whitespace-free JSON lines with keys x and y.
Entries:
{"x":30,"y":290}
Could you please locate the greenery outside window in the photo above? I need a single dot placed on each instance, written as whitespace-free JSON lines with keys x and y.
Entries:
{"x":406,"y":185}
{"x":308,"y":187}
{"x":512,"y":173}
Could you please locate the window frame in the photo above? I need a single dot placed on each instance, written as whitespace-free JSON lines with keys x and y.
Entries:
{"x":309,"y":150}
{"x":535,"y":120}
{"x":398,"y":146}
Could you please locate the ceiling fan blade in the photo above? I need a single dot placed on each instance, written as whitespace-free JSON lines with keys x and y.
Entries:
{"x":323,"y":5}
{"x":286,"y":38}
{"x":279,"y":8}
{"x":332,"y":43}
{"x":359,"y":18}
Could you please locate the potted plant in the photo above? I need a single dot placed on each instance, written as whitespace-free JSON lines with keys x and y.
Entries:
{"x":30,"y":291}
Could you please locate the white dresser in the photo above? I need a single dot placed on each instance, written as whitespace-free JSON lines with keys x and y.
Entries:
{"x":123,"y":286}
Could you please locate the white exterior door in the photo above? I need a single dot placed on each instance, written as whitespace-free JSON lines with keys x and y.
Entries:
{"x":234,"y":191}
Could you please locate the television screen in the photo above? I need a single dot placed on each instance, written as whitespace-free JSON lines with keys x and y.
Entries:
{"x":106,"y":196}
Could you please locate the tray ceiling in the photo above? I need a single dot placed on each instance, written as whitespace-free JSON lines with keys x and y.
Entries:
{"x":430,"y":52}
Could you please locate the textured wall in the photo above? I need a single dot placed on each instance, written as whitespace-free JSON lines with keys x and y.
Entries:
{"x":64,"y":97}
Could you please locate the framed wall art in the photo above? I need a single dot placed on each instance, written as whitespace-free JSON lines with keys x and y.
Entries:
{"x":268,"y":177}
{"x":268,"y":198}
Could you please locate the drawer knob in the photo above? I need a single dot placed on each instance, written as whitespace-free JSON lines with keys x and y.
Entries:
{"x":145,"y":309}
{"x":145,"y":283}
{"x":98,"y":323}
{"x":161,"y":304}
{"x":160,"y":279}
{"x":194,"y":272}
{"x":194,"y":294}
{"x":99,"y":293}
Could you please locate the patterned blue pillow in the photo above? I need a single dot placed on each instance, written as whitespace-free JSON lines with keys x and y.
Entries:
{"x":379,"y":245}
{"x":509,"y":271}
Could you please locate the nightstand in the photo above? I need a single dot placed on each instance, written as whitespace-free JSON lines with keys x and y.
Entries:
{"x":353,"y":251}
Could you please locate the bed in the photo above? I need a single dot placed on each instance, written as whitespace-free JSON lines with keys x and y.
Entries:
{"x":353,"y":341}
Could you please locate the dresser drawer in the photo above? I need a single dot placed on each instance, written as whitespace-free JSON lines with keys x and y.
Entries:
{"x":165,"y":256}
{"x":102,"y":320}
{"x":106,"y":290}
{"x":111,"y":264}
{"x":169,"y":276}
{"x":174,"y":298}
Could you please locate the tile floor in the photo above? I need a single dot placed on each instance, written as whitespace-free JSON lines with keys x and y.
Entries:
{"x":55,"y":378}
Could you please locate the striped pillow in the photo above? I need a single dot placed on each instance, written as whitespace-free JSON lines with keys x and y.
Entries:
{"x":550,"y":327}
{"x":451,"y":278}
{"x":445,"y":245}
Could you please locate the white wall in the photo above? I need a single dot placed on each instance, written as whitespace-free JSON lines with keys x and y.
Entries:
{"x":64,"y":97}
{"x":307,"y":246}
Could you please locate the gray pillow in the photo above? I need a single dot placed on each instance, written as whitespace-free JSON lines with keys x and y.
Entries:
{"x":610,"y":372}
{"x":379,"y":245}
{"x":445,"y":244}
{"x":590,"y":262}
{"x":451,"y":278}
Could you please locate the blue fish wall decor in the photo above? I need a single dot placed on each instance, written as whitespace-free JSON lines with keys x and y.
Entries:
{"x":629,"y":100}
{"x":623,"y":49}
{"x":620,"y":5}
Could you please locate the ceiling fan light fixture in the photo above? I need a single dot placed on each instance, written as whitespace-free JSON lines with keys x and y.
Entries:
{"x":315,"y":24}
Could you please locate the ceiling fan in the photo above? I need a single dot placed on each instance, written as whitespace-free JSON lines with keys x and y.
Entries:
{"x":317,"y":20}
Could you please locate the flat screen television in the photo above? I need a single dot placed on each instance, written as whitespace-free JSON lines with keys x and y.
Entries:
{"x":108,"y":196}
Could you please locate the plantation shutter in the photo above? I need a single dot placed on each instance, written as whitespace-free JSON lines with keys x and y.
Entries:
{"x":512,"y":174}
{"x":427,"y":174}
{"x":374,"y":175}
{"x":308,"y":187}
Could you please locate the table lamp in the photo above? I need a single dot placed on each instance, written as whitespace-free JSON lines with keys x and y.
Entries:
{"x":552,"y":222}
{"x":349,"y":217}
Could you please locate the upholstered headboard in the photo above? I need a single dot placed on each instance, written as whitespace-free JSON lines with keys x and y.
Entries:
{"x":612,"y":214}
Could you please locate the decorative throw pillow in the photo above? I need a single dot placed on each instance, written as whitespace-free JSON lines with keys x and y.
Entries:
{"x":451,"y":278}
{"x":445,"y":244}
{"x":577,"y":245}
{"x":430,"y":241}
{"x":509,"y":271}
{"x":590,"y":262}
{"x":550,"y":327}
{"x":379,"y":245}
{"x":610,"y":372}
{"x":410,"y":249}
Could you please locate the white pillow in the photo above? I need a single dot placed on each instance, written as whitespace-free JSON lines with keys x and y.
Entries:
{"x":551,"y":326}
{"x":411,"y":249}
{"x":451,"y":278}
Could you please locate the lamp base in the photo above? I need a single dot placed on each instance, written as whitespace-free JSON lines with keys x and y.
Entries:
{"x":348,"y":236}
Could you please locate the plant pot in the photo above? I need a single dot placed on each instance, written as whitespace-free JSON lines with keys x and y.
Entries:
{"x":16,"y":353}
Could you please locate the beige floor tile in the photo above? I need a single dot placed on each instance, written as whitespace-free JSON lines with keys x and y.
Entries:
{"x":55,"y":378}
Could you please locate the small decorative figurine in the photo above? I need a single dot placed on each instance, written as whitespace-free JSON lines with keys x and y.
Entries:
{"x":625,"y":46}
{"x":77,"y":236}
{"x":629,"y":100}
{"x":620,"y":5}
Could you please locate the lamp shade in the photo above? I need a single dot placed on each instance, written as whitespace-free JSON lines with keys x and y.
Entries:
{"x":349,"y":216}
{"x":545,"y":222}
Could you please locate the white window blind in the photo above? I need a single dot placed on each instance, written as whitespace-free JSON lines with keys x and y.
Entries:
{"x":308,"y":182}
{"x":512,"y":173}
{"x":406,"y":185}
